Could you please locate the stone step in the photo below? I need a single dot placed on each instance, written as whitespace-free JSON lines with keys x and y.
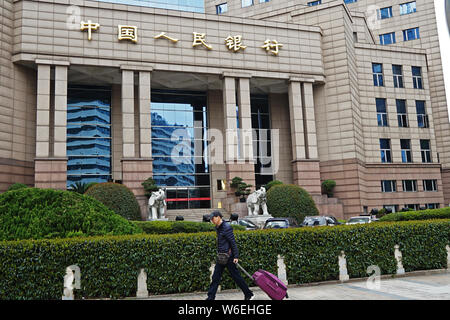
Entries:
{"x":191,"y":214}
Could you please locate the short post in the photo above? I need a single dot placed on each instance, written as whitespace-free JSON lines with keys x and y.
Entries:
{"x":282,"y":275}
{"x":398,"y":257}
{"x":142,"y":291}
{"x":448,"y":257}
{"x":211,"y":270}
{"x":72,"y":274}
{"x":343,"y":274}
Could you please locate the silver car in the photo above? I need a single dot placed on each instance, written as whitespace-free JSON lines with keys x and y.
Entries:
{"x":359,"y":220}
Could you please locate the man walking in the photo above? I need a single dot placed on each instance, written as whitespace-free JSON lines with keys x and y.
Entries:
{"x":226,"y":244}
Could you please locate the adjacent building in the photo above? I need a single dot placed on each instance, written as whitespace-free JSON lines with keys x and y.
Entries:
{"x":194,"y":93}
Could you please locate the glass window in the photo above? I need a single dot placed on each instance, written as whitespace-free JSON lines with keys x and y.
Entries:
{"x":314,"y":3}
{"x":398,"y":76}
{"x":182,"y":5}
{"x":387,"y":38}
{"x":385,"y":148}
{"x":88,"y":134}
{"x":405,"y":146}
{"x":417,"y":77}
{"x":430,"y":185}
{"x":179,"y":147}
{"x":432,"y":205}
{"x":411,"y":34}
{"x":422,"y":117}
{"x":377,"y":70}
{"x":221,"y":8}
{"x":350,"y":1}
{"x":425,"y":151}
{"x":407,"y":8}
{"x":262,"y":148}
{"x":262,"y":1}
{"x":409,"y":185}
{"x":247,"y":3}
{"x":388,"y":186}
{"x":402,"y":115}
{"x":385,"y":13}
{"x":381,"y":112}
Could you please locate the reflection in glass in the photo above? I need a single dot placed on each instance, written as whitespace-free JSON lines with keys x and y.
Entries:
{"x":88,"y":134}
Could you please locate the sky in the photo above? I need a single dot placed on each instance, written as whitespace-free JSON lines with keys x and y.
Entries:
{"x":444,"y":41}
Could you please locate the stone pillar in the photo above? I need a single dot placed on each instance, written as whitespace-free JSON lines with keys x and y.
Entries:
{"x":137,"y":168}
{"x":305,"y":163}
{"x":238,"y":151}
{"x":51,"y":163}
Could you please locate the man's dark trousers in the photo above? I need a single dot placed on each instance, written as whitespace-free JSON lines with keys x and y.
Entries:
{"x":217,"y":275}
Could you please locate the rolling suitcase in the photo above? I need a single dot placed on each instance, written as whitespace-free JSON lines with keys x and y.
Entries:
{"x":268,"y":283}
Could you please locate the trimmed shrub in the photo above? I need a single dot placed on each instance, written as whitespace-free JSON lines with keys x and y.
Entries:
{"x":180,"y":263}
{"x":17,"y":186}
{"x":443,"y":213}
{"x":118,"y":198}
{"x":166,"y":227}
{"x":273,"y":183}
{"x":31,"y":213}
{"x":290,"y":200}
{"x":328,"y":187}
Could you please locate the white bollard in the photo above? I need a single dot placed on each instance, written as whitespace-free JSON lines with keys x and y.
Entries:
{"x":72,"y":274}
{"x":398,"y":257}
{"x":448,"y":257}
{"x":282,"y":275}
{"x":343,"y":274}
{"x":142,"y":291}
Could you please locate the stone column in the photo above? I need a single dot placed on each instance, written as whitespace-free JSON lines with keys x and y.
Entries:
{"x":239,"y":151}
{"x":137,"y":168}
{"x":51,"y":163}
{"x":305,"y":163}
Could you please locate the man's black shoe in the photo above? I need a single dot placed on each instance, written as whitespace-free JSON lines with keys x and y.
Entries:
{"x":251,"y":297}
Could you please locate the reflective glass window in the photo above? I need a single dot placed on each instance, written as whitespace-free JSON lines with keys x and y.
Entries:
{"x":88,"y":134}
{"x":182,"y":5}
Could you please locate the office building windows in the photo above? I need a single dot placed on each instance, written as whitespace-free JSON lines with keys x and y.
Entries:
{"x":397,"y":72}
{"x":377,"y":71}
{"x":247,"y":3}
{"x":402,"y":115}
{"x":221,"y":8}
{"x":407,"y":8}
{"x":417,"y":77}
{"x":425,"y":150}
{"x":314,"y":3}
{"x":388,"y":186}
{"x":387,"y":38}
{"x":409,"y":185}
{"x":405,"y":145}
{"x":411,"y":34}
{"x":422,"y":117}
{"x":384,"y":13}
{"x":381,"y":112}
{"x":430,"y":185}
{"x":385,"y":150}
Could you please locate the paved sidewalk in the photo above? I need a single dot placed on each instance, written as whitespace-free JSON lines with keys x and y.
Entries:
{"x":428,"y":285}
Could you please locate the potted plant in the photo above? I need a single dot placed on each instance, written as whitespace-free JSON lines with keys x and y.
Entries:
{"x":242,"y":188}
{"x":149,"y":187}
{"x":328,"y":187}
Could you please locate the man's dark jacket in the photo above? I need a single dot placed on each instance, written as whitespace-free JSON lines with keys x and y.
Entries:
{"x":225,"y":240}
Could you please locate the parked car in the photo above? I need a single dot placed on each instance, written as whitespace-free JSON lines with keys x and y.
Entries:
{"x":280,"y":223}
{"x":360,"y":220}
{"x":314,"y":221}
{"x":246,"y":223}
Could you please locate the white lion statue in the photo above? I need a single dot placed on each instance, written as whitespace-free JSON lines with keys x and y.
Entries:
{"x":257,"y":200}
{"x":156,"y":205}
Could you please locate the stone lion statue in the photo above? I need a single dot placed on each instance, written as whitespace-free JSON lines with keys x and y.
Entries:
{"x":257,"y":200}
{"x":156,"y":205}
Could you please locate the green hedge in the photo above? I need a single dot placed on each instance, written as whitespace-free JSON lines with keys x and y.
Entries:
{"x":167,"y":227}
{"x":180,"y":263}
{"x":32,"y":213}
{"x":443,"y":213}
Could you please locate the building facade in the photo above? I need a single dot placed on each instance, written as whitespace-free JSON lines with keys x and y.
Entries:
{"x":196,"y":93}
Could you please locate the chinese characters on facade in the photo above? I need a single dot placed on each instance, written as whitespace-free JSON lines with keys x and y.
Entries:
{"x":232,"y":43}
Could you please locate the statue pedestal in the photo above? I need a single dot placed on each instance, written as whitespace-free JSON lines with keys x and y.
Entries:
{"x":259,"y":220}
{"x":161,"y":219}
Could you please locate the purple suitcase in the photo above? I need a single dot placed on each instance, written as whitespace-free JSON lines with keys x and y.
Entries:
{"x":268,"y":283}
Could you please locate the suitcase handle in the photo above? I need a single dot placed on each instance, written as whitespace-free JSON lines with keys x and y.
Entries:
{"x":243,"y":270}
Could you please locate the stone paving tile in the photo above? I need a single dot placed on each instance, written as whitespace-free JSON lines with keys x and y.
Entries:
{"x":423,"y":287}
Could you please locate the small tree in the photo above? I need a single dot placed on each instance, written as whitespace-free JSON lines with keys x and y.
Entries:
{"x":328,"y":187}
{"x":273,"y":183}
{"x":242,"y":188}
{"x":149,"y":187}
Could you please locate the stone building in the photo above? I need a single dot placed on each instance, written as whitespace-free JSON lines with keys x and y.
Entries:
{"x":194,"y":93}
